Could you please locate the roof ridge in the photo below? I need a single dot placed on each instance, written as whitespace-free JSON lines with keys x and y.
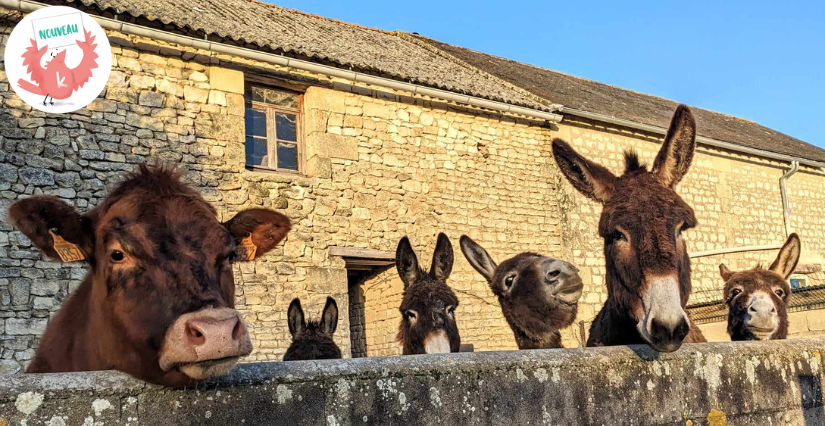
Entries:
{"x":414,"y":38}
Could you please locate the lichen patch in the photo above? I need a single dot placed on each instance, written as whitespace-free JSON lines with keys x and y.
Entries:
{"x":28,"y":402}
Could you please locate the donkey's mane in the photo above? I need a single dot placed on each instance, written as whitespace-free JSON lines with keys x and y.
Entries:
{"x":632,"y":162}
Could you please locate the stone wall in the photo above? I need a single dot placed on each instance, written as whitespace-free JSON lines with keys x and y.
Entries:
{"x":379,"y":165}
{"x":706,"y":384}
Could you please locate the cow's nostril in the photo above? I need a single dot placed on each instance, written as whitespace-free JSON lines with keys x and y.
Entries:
{"x":194,"y":335}
{"x":238,"y":331}
{"x":752,"y":309}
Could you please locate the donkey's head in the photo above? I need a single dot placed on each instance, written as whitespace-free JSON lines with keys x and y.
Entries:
{"x":757,"y":298}
{"x":537,"y":294}
{"x":648,"y":268}
{"x":312,"y":340}
{"x":428,"y":307}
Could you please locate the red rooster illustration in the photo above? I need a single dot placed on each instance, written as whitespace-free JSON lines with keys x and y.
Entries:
{"x":56,"y":80}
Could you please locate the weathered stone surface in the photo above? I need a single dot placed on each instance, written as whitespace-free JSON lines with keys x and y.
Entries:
{"x":16,"y":326}
{"x":629,"y":385}
{"x":226,"y":80}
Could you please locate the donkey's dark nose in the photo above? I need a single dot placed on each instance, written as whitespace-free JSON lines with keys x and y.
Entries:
{"x":556,"y":269}
{"x":562,"y":280}
{"x":668,"y":337}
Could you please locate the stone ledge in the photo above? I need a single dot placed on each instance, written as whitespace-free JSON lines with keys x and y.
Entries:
{"x":713,"y":383}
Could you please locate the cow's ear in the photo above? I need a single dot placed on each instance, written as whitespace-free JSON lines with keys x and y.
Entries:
{"x":54,"y":227}
{"x":295,"y":318}
{"x":257,"y":231}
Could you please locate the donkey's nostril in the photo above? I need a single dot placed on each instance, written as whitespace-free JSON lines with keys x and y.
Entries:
{"x":552,"y":275}
{"x":752,"y":309}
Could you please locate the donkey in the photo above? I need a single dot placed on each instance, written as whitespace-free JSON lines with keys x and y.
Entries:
{"x":757,"y":298}
{"x":312,"y":340}
{"x":538,"y":295}
{"x":159,"y":299}
{"x":642,"y":221}
{"x":428,"y":307}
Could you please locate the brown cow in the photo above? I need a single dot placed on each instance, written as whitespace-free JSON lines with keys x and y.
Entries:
{"x":158,"y":301}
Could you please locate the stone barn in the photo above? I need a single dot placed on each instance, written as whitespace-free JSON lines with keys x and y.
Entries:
{"x":362,"y":136}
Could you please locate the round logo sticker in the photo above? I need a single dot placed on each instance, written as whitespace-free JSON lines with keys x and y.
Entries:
{"x":58,"y":59}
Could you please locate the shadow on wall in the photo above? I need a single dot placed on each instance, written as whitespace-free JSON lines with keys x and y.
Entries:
{"x":811,"y":394}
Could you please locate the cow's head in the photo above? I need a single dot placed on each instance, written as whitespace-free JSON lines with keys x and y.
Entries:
{"x":162,"y":295}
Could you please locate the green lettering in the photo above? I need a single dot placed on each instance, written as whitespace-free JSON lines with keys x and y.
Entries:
{"x":42,"y":34}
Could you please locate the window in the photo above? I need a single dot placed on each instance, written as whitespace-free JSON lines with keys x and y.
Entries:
{"x":273,"y":129}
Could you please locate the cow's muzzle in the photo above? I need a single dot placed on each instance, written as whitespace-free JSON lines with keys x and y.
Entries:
{"x":205,"y":343}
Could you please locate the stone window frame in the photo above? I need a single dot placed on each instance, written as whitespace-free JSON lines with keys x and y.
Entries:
{"x":271,"y":110}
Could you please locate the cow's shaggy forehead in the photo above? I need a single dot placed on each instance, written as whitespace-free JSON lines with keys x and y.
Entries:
{"x":156,"y":213}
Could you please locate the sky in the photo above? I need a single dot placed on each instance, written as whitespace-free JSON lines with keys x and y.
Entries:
{"x":762,"y":61}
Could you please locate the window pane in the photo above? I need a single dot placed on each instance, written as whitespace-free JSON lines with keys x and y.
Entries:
{"x":285,"y":126}
{"x":275,"y":97}
{"x":255,"y":122}
{"x":256,"y":152}
{"x":287,"y":156}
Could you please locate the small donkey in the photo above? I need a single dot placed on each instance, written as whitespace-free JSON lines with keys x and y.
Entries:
{"x":312,"y":340}
{"x":538,"y":295}
{"x":428,"y":307}
{"x":757,"y":298}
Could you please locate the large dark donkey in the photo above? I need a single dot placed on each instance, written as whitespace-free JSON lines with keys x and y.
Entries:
{"x":648,"y":268}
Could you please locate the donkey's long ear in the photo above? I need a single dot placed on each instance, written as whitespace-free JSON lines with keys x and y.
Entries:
{"x":725,"y":272}
{"x":329,"y":317}
{"x":586,"y":176}
{"x":52,"y":225}
{"x":295,"y":318}
{"x":479,"y":259}
{"x":676,"y":153}
{"x":260,"y":227}
{"x":406,"y":262}
{"x":442,"y":258}
{"x":788,"y":257}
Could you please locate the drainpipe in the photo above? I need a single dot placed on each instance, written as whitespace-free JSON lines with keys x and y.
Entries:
{"x":786,"y":207}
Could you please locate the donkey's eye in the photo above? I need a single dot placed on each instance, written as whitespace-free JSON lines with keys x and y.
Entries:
{"x":508,"y":282}
{"x":735,"y":292}
{"x":116,"y":256}
{"x":410,"y":315}
{"x":617,"y":236}
{"x":451,"y":310}
{"x":779,"y":292}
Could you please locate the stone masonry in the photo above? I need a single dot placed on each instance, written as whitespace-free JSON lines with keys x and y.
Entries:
{"x":379,"y":165}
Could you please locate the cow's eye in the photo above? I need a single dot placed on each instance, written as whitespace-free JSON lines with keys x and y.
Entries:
{"x":779,"y":292}
{"x":116,"y":256}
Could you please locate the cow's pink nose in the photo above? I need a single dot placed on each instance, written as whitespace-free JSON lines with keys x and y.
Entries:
{"x":204,"y":331}
{"x":205,"y":335}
